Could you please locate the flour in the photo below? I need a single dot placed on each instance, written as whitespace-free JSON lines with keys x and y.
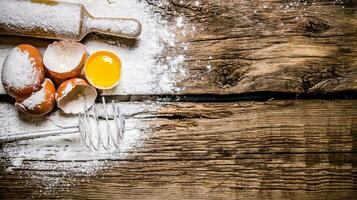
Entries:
{"x":63,"y":56}
{"x":113,"y":26}
{"x":67,"y":89}
{"x":73,"y":100}
{"x":61,"y":19}
{"x":73,"y":158}
{"x":35,"y":99}
{"x":196,"y":3}
{"x":146,"y":67}
{"x":142,"y":72}
{"x":155,"y":64}
{"x":180,"y":22}
{"x":18,"y":69}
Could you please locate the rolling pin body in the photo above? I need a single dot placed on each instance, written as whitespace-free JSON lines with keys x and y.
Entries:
{"x":59,"y":20}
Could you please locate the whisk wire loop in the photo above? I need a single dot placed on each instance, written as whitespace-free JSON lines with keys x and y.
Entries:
{"x":105,"y":137}
{"x":92,"y":134}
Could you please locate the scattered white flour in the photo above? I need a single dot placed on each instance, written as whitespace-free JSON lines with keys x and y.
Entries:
{"x":74,"y":159}
{"x":18,"y":69}
{"x":153,"y":65}
{"x":196,"y":3}
{"x":4,"y":51}
{"x":67,"y":89}
{"x":35,"y":99}
{"x":145,"y":68}
{"x":180,"y":22}
{"x":156,"y":62}
{"x":124,"y":27}
{"x":23,"y":16}
{"x":74,"y":99}
{"x":63,"y":56}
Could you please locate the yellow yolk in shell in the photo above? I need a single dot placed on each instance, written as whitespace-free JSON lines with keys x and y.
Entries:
{"x":102,"y":69}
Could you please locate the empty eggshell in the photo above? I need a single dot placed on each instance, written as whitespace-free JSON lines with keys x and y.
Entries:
{"x":65,"y":59}
{"x":41,"y":102}
{"x":75,"y":95}
{"x":23,"y":71}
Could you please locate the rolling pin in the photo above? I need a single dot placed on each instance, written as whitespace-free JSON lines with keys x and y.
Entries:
{"x":60,"y":20}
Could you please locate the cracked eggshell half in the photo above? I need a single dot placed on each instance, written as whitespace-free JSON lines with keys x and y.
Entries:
{"x":65,"y":59}
{"x":39,"y":103}
{"x":75,"y":95}
{"x":23,"y":72}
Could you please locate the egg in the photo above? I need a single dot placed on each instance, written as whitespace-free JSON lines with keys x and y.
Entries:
{"x":64,"y":59}
{"x":75,"y":95}
{"x":39,"y":103}
{"x":23,"y":71}
{"x":103,"y":69}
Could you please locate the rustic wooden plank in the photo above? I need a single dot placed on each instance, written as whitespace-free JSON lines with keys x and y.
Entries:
{"x":285,"y":46}
{"x":251,"y":46}
{"x":303,"y":149}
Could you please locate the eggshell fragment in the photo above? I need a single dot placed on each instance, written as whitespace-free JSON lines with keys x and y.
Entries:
{"x":39,"y":103}
{"x":65,"y":59}
{"x":75,"y":95}
{"x":23,"y":71}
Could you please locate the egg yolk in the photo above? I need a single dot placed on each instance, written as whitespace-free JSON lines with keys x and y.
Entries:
{"x":103,"y":69}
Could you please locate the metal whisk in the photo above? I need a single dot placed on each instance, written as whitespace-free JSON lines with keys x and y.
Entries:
{"x":89,"y":126}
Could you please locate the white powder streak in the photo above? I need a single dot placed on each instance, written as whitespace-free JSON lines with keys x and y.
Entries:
{"x":70,"y":148}
{"x":67,"y":89}
{"x":35,"y":99}
{"x":141,"y":71}
{"x":145,"y":68}
{"x":113,"y":26}
{"x":18,"y":69}
{"x":61,"y":19}
{"x":196,"y":3}
{"x":63,"y":56}
{"x":74,"y":158}
{"x":180,"y":22}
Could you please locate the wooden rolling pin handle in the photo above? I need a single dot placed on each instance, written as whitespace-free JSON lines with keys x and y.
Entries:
{"x":121,"y":27}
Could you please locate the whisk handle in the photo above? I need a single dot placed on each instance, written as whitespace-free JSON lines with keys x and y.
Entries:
{"x":37,"y":134}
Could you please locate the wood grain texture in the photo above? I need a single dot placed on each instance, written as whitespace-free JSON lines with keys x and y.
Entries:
{"x":254,"y":46}
{"x":282,"y":46}
{"x":247,"y":150}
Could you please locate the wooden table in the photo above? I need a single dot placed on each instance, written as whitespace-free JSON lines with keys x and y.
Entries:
{"x":275,"y":118}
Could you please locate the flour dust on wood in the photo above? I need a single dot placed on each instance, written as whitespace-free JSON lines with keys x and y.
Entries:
{"x":145,"y":67}
{"x":70,"y":157}
{"x":154,"y":63}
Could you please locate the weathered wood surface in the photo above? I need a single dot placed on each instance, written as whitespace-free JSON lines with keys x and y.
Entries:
{"x":285,"y":46}
{"x":253,"y":46}
{"x":247,"y":150}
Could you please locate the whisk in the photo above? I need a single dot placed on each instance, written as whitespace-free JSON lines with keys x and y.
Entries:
{"x":92,"y":135}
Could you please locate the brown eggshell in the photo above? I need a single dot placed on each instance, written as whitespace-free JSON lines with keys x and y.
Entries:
{"x":39,"y":103}
{"x":55,"y":81}
{"x":74,"y":95}
{"x":65,"y":59}
{"x":23,"y":71}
